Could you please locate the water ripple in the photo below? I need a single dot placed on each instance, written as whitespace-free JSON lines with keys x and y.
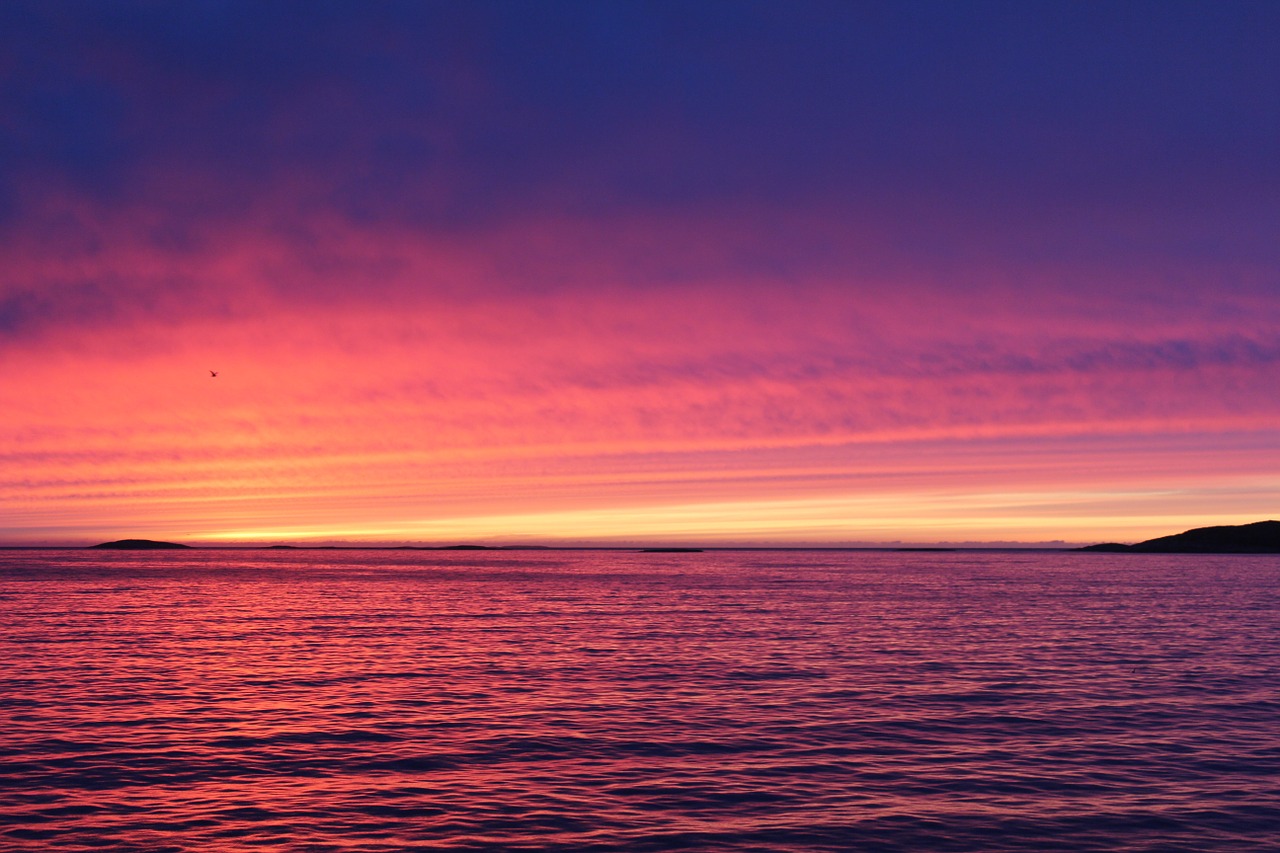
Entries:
{"x":380,"y":701}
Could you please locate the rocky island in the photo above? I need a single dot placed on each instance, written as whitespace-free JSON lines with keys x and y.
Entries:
{"x":1260,"y":537}
{"x":139,"y":545}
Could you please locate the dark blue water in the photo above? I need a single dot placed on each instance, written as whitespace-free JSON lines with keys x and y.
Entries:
{"x":378,"y":701}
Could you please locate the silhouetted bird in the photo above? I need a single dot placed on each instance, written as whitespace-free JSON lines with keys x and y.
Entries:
{"x":213,"y":373}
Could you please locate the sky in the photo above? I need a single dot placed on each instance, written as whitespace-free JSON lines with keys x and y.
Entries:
{"x":785,"y":273}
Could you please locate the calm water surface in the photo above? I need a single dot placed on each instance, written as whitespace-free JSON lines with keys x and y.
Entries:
{"x":378,"y":701}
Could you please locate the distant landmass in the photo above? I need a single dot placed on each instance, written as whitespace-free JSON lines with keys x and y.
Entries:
{"x":1260,"y":537}
{"x":139,"y":545}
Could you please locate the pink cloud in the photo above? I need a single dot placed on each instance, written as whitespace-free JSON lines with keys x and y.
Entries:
{"x":571,"y":362}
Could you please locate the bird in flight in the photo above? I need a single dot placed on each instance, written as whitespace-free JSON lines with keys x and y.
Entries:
{"x":213,"y":373}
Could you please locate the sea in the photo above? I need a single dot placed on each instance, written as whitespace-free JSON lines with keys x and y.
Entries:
{"x":379,"y":700}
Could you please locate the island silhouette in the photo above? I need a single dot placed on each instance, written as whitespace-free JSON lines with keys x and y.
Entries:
{"x":138,"y":545}
{"x":1260,"y":537}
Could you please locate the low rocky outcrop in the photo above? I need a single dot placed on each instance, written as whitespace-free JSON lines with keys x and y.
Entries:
{"x":139,"y":545}
{"x":1260,"y":537}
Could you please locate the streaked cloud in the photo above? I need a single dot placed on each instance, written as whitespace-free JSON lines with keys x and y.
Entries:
{"x":728,"y":274}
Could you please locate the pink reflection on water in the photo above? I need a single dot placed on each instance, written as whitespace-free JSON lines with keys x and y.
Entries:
{"x":793,"y":700}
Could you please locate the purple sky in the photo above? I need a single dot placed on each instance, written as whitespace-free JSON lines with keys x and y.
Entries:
{"x":794,"y":272}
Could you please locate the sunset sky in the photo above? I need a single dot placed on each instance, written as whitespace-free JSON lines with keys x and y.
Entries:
{"x":681,"y":272}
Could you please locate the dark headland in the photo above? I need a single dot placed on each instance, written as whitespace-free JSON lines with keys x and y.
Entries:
{"x":1260,"y":537}
{"x":139,"y":545}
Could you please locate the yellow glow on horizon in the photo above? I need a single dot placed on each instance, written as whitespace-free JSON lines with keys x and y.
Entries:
{"x":905,"y":517}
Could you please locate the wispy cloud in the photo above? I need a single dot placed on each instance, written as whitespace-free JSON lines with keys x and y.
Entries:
{"x":448,"y":260}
